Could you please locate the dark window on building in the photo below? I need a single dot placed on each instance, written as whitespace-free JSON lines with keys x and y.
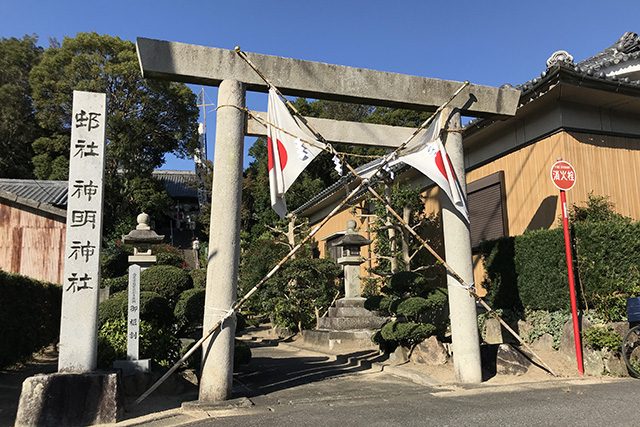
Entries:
{"x":487,"y":208}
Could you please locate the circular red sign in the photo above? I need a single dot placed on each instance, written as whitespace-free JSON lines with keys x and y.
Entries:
{"x":563,"y":175}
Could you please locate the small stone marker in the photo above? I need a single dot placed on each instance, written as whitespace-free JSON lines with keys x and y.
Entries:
{"x":133,"y":317}
{"x":81,"y":283}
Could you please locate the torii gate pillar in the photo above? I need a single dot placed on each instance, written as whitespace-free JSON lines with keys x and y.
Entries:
{"x":224,"y":242}
{"x":457,"y":245}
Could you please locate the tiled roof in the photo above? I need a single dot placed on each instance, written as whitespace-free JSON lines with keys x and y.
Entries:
{"x":52,"y":193}
{"x":625,"y":49}
{"x":367,"y":170}
{"x":178,"y":183}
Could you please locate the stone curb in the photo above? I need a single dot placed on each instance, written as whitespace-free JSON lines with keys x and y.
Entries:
{"x":153,"y":417}
{"x":416,"y":377}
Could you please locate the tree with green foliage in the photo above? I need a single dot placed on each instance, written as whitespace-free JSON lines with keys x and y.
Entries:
{"x":18,"y":127}
{"x":418,"y":309}
{"x":146,"y":119}
{"x":395,"y":248}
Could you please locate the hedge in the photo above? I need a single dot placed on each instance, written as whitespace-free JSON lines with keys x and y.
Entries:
{"x":530,"y":271}
{"x":166,"y":280}
{"x":115,"y":284}
{"x":189,"y":310}
{"x":29,"y":316}
{"x":609,"y":264}
{"x":199,"y":277}
{"x":154,"y":309}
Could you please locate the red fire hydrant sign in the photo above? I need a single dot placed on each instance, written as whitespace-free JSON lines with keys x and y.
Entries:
{"x":563,"y":175}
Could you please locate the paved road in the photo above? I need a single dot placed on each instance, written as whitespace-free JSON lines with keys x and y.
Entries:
{"x":315,"y":391}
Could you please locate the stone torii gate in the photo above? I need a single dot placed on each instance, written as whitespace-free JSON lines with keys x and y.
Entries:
{"x":220,"y":67}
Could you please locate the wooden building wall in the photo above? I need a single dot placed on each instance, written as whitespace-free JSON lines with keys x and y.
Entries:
{"x":31,"y":244}
{"x":605,"y":165}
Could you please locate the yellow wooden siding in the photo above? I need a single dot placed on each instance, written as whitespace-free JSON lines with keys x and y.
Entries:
{"x":605,"y":165}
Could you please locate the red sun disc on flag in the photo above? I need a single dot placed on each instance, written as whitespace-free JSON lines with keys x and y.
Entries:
{"x":563,"y":175}
{"x":282,"y":155}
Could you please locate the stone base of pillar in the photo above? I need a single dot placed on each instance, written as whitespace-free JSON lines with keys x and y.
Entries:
{"x":63,"y":399}
{"x":347,"y":327}
{"x":349,"y":314}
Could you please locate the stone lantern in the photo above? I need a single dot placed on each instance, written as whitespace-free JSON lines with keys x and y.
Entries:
{"x":142,"y":238}
{"x":348,"y":326}
{"x":351,"y":243}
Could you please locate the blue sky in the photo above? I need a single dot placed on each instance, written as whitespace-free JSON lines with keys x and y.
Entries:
{"x":486,"y":42}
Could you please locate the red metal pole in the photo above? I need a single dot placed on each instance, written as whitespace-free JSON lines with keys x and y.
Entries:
{"x":572,"y":283}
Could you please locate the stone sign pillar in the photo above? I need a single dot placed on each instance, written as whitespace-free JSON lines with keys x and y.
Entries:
{"x":457,"y":244}
{"x":81,"y":282}
{"x":224,"y":243}
{"x":77,"y":394}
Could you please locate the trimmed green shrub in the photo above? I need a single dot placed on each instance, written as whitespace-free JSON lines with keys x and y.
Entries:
{"x":115,"y":260}
{"x":413,"y":308}
{"x":407,"y":333}
{"x":599,"y":337}
{"x":407,"y":283}
{"x":534,"y":274}
{"x":170,"y":258}
{"x":501,"y":280}
{"x":420,"y":308}
{"x":372,"y":303}
{"x":389,"y":304}
{"x":29,"y":316}
{"x":609,"y":264}
{"x":154,"y":309}
{"x":199,"y":278}
{"x":189,"y":310}
{"x":158,"y":344}
{"x":542,"y":270}
{"x":116,"y":284}
{"x":166,"y":280}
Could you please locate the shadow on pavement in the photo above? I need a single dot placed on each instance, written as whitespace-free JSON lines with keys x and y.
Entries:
{"x":269,"y":373}
{"x":45,"y":362}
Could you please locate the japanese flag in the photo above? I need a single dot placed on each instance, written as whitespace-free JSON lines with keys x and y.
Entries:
{"x":427,"y":154}
{"x":288,"y":153}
